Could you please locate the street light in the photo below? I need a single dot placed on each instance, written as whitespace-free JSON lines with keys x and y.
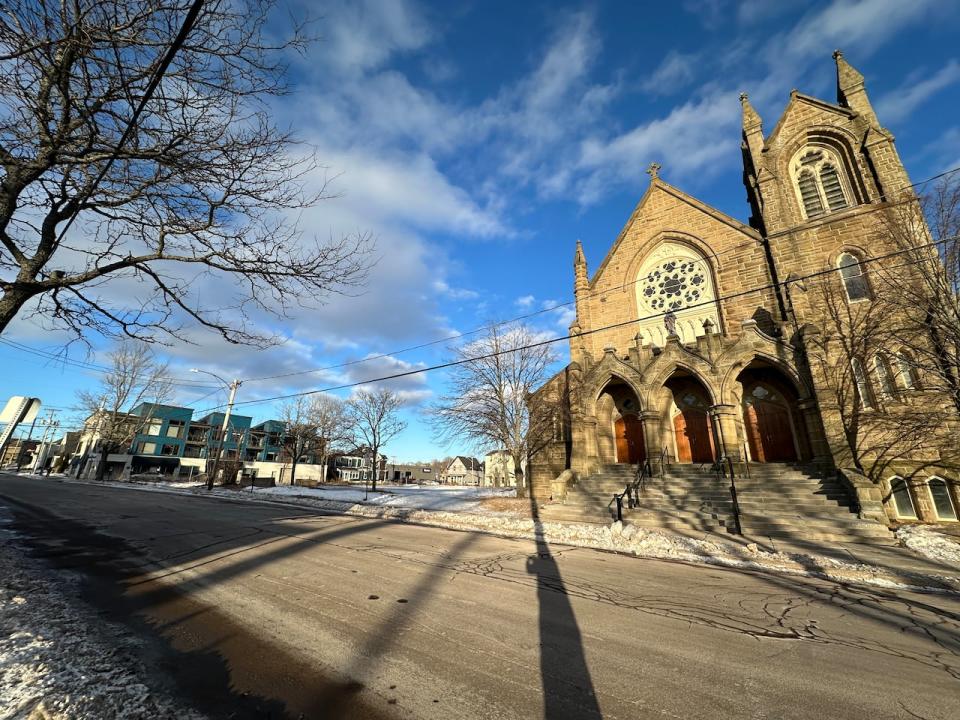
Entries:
{"x":226,"y":421}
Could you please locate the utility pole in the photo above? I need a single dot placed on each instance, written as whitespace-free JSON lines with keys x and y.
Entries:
{"x":211,"y":476}
{"x":223,"y":432}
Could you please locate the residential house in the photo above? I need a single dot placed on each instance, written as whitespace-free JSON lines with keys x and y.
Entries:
{"x":463,"y":471}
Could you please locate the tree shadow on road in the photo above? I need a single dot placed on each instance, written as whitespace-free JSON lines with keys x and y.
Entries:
{"x":568,"y":690}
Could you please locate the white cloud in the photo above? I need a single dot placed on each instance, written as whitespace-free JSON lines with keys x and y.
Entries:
{"x":900,"y":103}
{"x":358,"y":35}
{"x":676,"y":71}
{"x":525,"y":301}
{"x":454,"y":293}
{"x":699,"y":136}
{"x":861,"y":24}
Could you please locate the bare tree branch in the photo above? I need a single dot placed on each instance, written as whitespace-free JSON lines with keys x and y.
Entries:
{"x":204,"y":194}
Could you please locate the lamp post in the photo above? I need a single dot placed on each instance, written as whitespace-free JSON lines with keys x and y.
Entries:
{"x":226,"y":421}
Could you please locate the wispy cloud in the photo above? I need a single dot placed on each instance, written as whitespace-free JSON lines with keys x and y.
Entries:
{"x":900,"y":103}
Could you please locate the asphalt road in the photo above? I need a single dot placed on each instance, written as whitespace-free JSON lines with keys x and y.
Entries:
{"x":254,"y":610}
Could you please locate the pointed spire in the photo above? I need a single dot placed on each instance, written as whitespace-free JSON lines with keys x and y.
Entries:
{"x":751,"y":119}
{"x":578,"y":258}
{"x":654,"y":170}
{"x":848,"y":79}
{"x":851,"y":90}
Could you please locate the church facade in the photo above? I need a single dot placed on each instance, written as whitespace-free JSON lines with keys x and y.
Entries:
{"x":701,"y":338}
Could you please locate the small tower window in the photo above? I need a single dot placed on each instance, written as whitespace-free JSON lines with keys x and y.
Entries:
{"x":812,"y":205}
{"x":864,"y":391}
{"x":885,"y":375}
{"x":907,"y":370}
{"x":820,"y":184}
{"x":832,"y":188}
{"x":854,"y":279}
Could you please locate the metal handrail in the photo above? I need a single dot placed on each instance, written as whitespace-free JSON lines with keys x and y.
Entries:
{"x":631,"y":491}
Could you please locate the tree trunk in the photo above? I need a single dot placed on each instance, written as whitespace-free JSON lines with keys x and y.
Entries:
{"x":518,"y":478}
{"x":10,"y":304}
{"x":293,"y":471}
{"x":376,"y":467}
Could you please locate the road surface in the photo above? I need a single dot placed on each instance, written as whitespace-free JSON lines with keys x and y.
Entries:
{"x":256,"y":610}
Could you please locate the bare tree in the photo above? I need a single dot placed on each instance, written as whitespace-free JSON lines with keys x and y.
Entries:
{"x":487,"y":399}
{"x":194,"y":207}
{"x":135,"y":377}
{"x":924,"y":279}
{"x":374,"y":416}
{"x":884,"y":420}
{"x":299,"y":434}
{"x":332,"y":423}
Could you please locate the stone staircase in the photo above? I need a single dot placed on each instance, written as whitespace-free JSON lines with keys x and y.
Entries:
{"x":776,"y":500}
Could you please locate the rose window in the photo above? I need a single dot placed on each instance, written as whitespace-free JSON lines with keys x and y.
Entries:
{"x":675,"y":284}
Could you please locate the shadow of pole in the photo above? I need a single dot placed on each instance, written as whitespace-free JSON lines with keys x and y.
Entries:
{"x":568,"y":690}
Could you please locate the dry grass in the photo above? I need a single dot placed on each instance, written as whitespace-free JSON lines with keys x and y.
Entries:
{"x":515,"y":506}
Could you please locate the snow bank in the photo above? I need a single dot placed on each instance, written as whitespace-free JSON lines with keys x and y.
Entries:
{"x":930,"y":543}
{"x":422,"y":497}
{"x":60,"y":662}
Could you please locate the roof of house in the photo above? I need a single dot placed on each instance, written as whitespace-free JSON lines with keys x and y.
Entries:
{"x":469,"y":462}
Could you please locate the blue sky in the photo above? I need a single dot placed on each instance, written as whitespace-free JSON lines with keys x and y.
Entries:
{"x":477,"y":141}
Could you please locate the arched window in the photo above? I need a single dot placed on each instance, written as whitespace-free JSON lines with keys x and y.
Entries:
{"x":888,"y":385}
{"x":817,"y":172}
{"x":907,"y":371}
{"x":832,"y":189}
{"x":864,"y":391}
{"x":854,"y":277}
{"x":942,"y":502}
{"x":675,"y":289}
{"x":902,"y":502}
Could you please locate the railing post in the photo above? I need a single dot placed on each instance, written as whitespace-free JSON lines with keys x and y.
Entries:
{"x":619,"y":499}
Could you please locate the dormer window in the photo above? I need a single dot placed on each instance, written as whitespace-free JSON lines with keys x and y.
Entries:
{"x":819,"y":184}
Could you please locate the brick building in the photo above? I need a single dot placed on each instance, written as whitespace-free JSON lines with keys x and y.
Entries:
{"x":689,"y":343}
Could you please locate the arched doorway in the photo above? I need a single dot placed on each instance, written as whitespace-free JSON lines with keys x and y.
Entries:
{"x":628,"y":431}
{"x":692,"y":425}
{"x":771,"y":422}
{"x":620,"y":435}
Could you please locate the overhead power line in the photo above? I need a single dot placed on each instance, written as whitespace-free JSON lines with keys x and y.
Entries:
{"x":501,"y":323}
{"x":550,"y":341}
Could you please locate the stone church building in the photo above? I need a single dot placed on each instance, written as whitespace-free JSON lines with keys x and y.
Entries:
{"x":690,"y":345}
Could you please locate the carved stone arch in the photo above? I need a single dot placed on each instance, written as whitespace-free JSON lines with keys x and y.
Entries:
{"x":665,"y":236}
{"x":753,"y":344}
{"x":664,"y":367}
{"x":841,"y":142}
{"x":610,"y":368}
{"x":728,"y":385}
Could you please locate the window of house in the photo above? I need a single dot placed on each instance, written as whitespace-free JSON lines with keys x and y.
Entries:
{"x":854,"y":277}
{"x":902,"y":502}
{"x":148,"y":448}
{"x":153,"y":427}
{"x":819,"y":182}
{"x":885,"y":375}
{"x":907,"y":371}
{"x":942,"y":502}
{"x":864,"y":391}
{"x":170,"y":449}
{"x":175,"y":428}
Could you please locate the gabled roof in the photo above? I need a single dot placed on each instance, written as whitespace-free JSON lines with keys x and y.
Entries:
{"x":470,"y":463}
{"x":658,"y":185}
{"x":799,"y":98}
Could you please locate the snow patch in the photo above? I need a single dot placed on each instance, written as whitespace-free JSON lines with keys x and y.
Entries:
{"x":58,"y":661}
{"x":930,"y":543}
